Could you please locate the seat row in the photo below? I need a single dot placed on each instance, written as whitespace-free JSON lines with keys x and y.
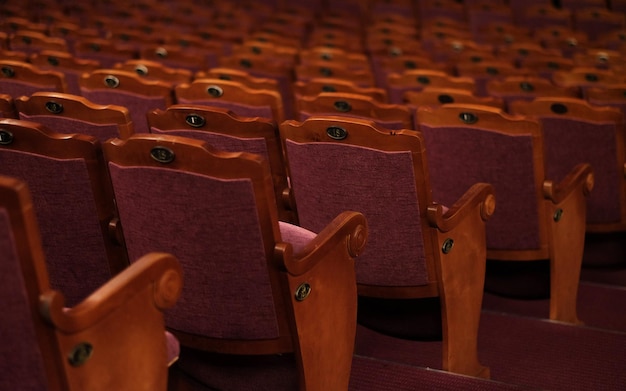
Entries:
{"x":169,"y":189}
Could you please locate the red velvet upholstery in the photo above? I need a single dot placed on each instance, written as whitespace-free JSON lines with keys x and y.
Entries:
{"x":225,"y":130}
{"x":73,"y":202}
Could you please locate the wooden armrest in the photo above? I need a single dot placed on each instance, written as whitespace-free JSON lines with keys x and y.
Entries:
{"x":581,"y":175}
{"x":115,"y":339}
{"x":323,"y":293}
{"x":461,"y":266}
{"x":479,"y":194}
{"x":348,"y":227}
{"x":158,"y":272}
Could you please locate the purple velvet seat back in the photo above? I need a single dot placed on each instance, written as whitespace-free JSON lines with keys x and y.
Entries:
{"x":68,"y":220}
{"x":59,"y":124}
{"x":222,"y":142}
{"x":460,"y":157}
{"x":16,"y":88}
{"x":328,"y":179}
{"x":211,"y":226}
{"x":569,"y":142}
{"x":21,"y":363}
{"x":139,"y":105}
{"x":240,"y":109}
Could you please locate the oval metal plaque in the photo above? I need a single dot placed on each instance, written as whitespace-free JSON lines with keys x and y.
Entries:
{"x":111,"y":81}
{"x":395,"y":51}
{"x":337,"y":133}
{"x":526,"y":86}
{"x":558,"y":108}
{"x":161,"y":52}
{"x":342,"y":106}
{"x":410,"y":64}
{"x":8,"y":71}
{"x":457,"y":46}
{"x":492,"y":71}
{"x":6,"y":137}
{"x":162,"y":154}
{"x":553,"y":65}
{"x":302,"y":291}
{"x":423,"y":80}
{"x":215,"y":91}
{"x":141,"y":70}
{"x":53,"y":61}
{"x":468,"y":118}
{"x":558,"y":214}
{"x":445,"y":98}
{"x":447,"y":245}
{"x":195,"y":120}
{"x":603,"y":57}
{"x":326,"y":72}
{"x":54,"y":107}
{"x":80,"y":354}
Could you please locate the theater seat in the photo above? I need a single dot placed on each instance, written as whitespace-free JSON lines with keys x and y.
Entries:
{"x":423,"y":260}
{"x":265,"y":305}
{"x":540,"y":215}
